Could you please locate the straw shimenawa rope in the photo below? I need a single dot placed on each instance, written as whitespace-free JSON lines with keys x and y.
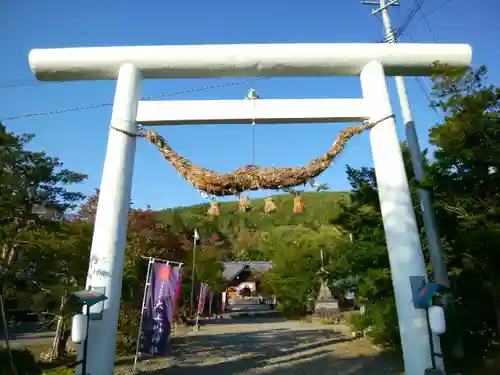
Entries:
{"x":252,"y":177}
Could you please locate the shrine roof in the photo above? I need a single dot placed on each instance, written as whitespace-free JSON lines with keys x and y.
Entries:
{"x":233,"y":269}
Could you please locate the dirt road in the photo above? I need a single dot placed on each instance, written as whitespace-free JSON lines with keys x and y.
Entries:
{"x":264,"y":347}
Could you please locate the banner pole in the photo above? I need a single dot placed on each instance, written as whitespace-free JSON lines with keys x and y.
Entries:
{"x":197,"y":324}
{"x":162,"y":260}
{"x":146,"y":285}
{"x":201,"y":303}
{"x":210,"y":300}
{"x":176,"y":303}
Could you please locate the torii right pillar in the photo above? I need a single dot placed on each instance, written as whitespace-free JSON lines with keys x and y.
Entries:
{"x":401,"y":232}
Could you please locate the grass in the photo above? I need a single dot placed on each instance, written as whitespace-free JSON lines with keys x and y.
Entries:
{"x":307,"y":319}
{"x":56,"y":367}
{"x":59,"y":371}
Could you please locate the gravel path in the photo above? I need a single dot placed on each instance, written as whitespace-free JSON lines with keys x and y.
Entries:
{"x":264,"y":347}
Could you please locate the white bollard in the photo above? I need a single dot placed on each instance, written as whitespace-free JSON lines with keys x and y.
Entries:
{"x":79,"y":328}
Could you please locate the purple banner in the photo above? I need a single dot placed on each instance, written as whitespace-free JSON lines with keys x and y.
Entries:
{"x":210,"y":302}
{"x":203,"y":296}
{"x":160,"y":304}
{"x":223,"y":302}
{"x":177,"y":274}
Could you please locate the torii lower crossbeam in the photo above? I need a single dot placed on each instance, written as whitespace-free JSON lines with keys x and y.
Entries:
{"x":263,"y":111}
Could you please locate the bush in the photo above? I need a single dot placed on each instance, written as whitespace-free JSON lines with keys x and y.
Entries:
{"x":335,"y":319}
{"x":379,"y":323}
{"x":24,"y":361}
{"x":385,"y":327}
{"x":291,"y":308}
{"x":59,"y":371}
{"x":128,"y":325}
{"x":359,"y":322}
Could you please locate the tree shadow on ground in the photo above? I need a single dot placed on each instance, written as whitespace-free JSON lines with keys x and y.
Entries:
{"x":244,"y":320}
{"x":275,"y":351}
{"x":268,"y":342}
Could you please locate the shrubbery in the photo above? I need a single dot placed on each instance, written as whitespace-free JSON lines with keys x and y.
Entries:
{"x":24,"y":361}
{"x":379,"y":323}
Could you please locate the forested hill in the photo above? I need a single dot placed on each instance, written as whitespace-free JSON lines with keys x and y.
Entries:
{"x":240,"y":233}
{"x":320,"y":207}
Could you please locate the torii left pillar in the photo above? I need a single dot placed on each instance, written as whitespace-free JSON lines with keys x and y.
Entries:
{"x":110,"y":228}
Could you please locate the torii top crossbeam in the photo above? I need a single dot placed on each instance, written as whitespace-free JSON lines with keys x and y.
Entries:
{"x":245,"y":60}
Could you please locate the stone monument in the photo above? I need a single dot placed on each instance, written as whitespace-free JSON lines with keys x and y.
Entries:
{"x":326,"y":306}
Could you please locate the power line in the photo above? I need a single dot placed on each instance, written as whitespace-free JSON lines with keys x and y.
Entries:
{"x":420,"y":81}
{"x":425,"y":90}
{"x":18,"y":81}
{"x":445,"y":3}
{"x":27,"y":83}
{"x":417,"y":8}
{"x":31,"y":82}
{"x":102,"y":105}
{"x":404,"y":24}
{"x":417,"y":5}
{"x":23,"y":83}
{"x":428,"y":26}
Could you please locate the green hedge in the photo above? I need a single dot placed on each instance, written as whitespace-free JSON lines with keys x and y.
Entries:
{"x":25,"y":362}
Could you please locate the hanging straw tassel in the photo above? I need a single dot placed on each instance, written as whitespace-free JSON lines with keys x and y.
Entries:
{"x":269,"y":205}
{"x":214,"y":209}
{"x":298,"y":204}
{"x":244,"y":205}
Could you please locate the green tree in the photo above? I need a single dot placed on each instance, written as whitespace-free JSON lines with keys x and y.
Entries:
{"x":33,"y":191}
{"x":34,"y":195}
{"x":295,"y":251}
{"x":53,"y":260}
{"x":209,"y":268}
{"x":465,"y":177}
{"x":363,"y":262}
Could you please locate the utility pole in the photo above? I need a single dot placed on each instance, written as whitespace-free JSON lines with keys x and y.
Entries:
{"x":196,"y":237}
{"x":436,"y":255}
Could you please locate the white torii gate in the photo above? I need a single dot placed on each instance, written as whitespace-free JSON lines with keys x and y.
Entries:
{"x":130,"y":65}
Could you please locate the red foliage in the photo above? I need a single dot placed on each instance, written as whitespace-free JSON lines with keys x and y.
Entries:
{"x":88,"y":209}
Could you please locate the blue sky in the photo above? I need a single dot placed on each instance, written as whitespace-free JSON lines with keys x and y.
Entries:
{"x":79,"y":138}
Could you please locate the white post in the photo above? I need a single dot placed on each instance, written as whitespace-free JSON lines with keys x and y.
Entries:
{"x":403,"y":242}
{"x":147,"y":283}
{"x":108,"y":244}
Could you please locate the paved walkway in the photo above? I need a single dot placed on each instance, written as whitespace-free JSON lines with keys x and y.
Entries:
{"x":267,"y":347}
